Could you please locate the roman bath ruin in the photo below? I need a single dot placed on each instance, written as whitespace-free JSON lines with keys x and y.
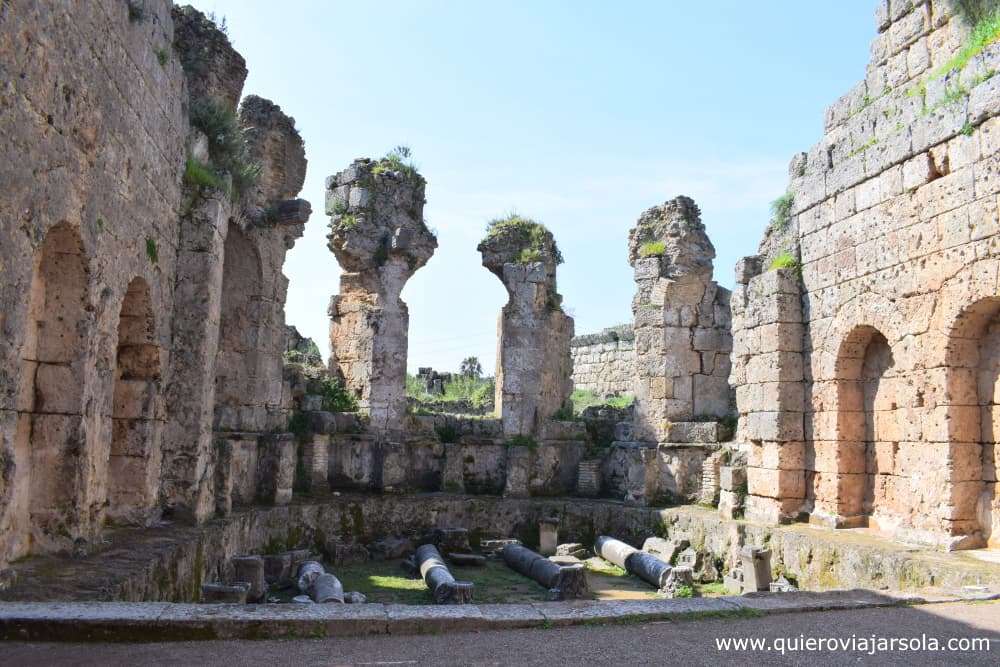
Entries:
{"x":166,"y":436}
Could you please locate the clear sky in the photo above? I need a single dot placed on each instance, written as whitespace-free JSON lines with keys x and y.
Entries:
{"x":580,"y":114}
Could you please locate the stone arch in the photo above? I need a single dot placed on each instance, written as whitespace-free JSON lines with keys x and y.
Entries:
{"x":134,"y":458}
{"x":972,"y":395}
{"x":50,"y":434}
{"x":237,"y":381}
{"x":864,"y":448}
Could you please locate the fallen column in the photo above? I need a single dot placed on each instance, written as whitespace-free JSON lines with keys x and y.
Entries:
{"x":327,"y":588}
{"x":308,"y":572}
{"x":649,"y":568}
{"x":562,"y":581}
{"x":443,"y":587}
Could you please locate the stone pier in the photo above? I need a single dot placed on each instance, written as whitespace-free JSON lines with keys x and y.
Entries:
{"x":681,"y":322}
{"x":534,"y":366}
{"x":378,"y":234}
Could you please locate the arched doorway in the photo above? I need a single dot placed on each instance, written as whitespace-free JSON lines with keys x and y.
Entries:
{"x":973,"y":360}
{"x":865,"y":412}
{"x":134,"y":460}
{"x":50,"y":436}
{"x":237,"y":385}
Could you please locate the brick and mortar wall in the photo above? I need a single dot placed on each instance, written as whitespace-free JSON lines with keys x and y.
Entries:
{"x":604,"y":362}
{"x":865,"y":381}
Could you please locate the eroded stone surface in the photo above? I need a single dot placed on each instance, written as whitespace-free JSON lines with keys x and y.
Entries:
{"x":379,"y":237}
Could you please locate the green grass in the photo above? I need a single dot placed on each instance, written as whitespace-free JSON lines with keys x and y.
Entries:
{"x":162,"y":55}
{"x":684,"y":592}
{"x":585,"y":398}
{"x":984,"y":33}
{"x":336,"y":397}
{"x":199,"y":175}
{"x":781,"y":211}
{"x":863,"y":147}
{"x":652,"y":249}
{"x":713,"y":589}
{"x":396,"y":160}
{"x":601,"y":566}
{"x":151,"y":251}
{"x":784,"y":260}
{"x":227,"y":144}
{"x":476,"y":391}
{"x":532,"y":237}
{"x":384,"y":581}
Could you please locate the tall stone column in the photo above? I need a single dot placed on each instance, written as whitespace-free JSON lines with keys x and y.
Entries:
{"x":681,"y":322}
{"x":534,"y":367}
{"x":378,"y":235}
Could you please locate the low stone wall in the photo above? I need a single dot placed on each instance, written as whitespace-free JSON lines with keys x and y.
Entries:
{"x":171,"y":562}
{"x":603,"y":362}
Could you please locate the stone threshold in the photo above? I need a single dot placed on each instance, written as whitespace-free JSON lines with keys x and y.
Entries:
{"x":164,"y":621}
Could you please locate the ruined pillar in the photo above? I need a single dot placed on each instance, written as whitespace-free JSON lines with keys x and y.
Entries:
{"x":534,"y":366}
{"x":681,"y":322}
{"x":378,"y":235}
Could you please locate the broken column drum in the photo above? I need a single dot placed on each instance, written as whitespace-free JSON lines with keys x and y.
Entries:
{"x":379,"y":237}
{"x":443,"y":587}
{"x":327,"y":588}
{"x":649,"y":568}
{"x":534,"y":366}
{"x":562,"y":581}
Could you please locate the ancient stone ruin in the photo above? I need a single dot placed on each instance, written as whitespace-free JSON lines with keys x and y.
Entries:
{"x":378,"y":234}
{"x":533,"y":376}
{"x":164,"y":436}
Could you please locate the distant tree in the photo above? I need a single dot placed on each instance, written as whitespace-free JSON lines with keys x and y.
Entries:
{"x":471,"y":368}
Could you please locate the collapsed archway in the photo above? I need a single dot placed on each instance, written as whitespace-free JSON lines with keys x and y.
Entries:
{"x":134,"y":460}
{"x":50,"y":436}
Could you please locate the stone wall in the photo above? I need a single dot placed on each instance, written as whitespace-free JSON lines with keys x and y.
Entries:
{"x":112,"y":267}
{"x":893,"y":222}
{"x":604,"y":362}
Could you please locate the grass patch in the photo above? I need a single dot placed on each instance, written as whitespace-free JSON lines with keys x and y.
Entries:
{"x":151,"y":251}
{"x":781,"y":211}
{"x":652,"y":249}
{"x":985,"y":32}
{"x":863,"y":147}
{"x":684,"y":591}
{"x":713,"y":589}
{"x":582,"y":399}
{"x":384,"y":581}
{"x":476,"y":391}
{"x":199,"y":175}
{"x":784,"y":260}
{"x":162,"y":55}
{"x":601,"y":566}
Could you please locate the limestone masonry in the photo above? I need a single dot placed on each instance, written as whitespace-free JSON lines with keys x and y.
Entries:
{"x":151,"y":393}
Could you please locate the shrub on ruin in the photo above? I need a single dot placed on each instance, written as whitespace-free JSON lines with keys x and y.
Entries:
{"x":784,"y":260}
{"x":524,"y":233}
{"x":398,"y":159}
{"x":652,"y":249}
{"x":227,"y":145}
{"x":781,"y":211}
{"x":336,"y":397}
{"x":446,"y":433}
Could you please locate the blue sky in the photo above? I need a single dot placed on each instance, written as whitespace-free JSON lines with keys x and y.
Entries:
{"x":578,"y":114}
